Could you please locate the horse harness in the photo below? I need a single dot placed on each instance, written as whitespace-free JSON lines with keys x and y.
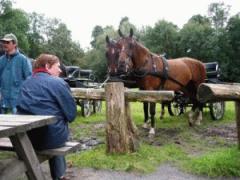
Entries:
{"x":140,"y":73}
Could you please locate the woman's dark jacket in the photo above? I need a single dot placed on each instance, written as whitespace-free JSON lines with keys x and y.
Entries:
{"x":43,"y":94}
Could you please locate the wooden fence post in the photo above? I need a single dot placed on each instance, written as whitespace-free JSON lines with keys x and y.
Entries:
{"x":121,"y":134}
{"x":237,"y":110}
{"x":222,"y":92}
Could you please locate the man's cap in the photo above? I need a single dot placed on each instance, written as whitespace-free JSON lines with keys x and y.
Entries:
{"x":9,"y":37}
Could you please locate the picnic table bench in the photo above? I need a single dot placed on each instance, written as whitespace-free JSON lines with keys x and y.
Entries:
{"x":13,"y":137}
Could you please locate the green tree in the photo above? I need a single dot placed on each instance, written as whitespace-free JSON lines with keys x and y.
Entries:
{"x":197,"y":39}
{"x":162,"y":38}
{"x":61,"y":44}
{"x":98,"y":30}
{"x":231,"y":48}
{"x":14,"y":21}
{"x":218,"y":14}
{"x":36,"y":34}
{"x":125,"y":27}
{"x":95,"y":58}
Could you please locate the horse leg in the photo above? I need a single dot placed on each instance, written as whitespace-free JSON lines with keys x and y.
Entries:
{"x":145,"y":109}
{"x":195,"y":115}
{"x":199,"y":117}
{"x":162,"y":111}
{"x":152,"y":112}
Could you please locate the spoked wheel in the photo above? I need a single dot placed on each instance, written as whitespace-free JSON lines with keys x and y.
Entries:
{"x":176,"y":109}
{"x":97,"y":106}
{"x":217,"y":110}
{"x":86,"y":108}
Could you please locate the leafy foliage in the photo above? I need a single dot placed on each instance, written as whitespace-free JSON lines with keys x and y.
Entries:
{"x":162,"y":38}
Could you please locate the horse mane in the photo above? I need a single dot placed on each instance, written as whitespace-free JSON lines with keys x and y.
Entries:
{"x":144,"y":51}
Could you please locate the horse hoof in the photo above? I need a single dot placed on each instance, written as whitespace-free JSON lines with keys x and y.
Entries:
{"x":152,"y":131}
{"x":198,"y":123}
{"x":145,"y":126}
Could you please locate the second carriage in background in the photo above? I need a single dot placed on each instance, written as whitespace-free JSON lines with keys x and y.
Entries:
{"x":83,"y":78}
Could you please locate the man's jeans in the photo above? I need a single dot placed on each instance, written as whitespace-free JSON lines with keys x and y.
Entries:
{"x":57,"y":166}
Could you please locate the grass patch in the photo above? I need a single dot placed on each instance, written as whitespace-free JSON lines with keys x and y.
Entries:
{"x":146,"y":160}
{"x":192,"y":149}
{"x":6,"y":155}
{"x":221,"y":163}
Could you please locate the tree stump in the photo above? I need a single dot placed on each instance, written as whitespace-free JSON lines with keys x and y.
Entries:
{"x":121,"y":133}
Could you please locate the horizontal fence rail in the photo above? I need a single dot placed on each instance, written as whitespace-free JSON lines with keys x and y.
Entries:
{"x":219,"y":92}
{"x":130,"y":95}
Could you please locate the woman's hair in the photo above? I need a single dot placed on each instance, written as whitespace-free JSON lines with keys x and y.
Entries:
{"x":44,"y":59}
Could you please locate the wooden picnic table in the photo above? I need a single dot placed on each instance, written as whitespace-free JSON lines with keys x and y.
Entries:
{"x":15,"y":127}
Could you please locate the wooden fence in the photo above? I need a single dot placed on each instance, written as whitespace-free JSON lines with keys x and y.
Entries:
{"x":121,"y":133}
{"x":222,"y":92}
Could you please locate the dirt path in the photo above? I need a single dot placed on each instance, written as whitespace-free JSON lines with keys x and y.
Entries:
{"x":164,"y":172}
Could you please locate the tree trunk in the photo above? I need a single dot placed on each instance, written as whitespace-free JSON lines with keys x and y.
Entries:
{"x":121,"y":133}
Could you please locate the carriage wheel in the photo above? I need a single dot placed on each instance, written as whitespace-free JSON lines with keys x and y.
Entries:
{"x":97,"y":106}
{"x":86,"y":108}
{"x":217,"y":110}
{"x":176,"y":109}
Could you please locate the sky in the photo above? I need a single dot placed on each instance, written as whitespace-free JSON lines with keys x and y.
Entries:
{"x":81,"y":16}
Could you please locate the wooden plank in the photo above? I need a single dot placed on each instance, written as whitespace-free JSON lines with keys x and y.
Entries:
{"x":219,"y":92}
{"x":12,"y":123}
{"x":88,"y":93}
{"x":68,"y":148}
{"x":5,"y":131}
{"x":13,"y":117}
{"x":6,"y":145}
{"x":148,"y":96}
{"x":33,"y":122}
{"x":130,"y":95}
{"x":26,"y":153}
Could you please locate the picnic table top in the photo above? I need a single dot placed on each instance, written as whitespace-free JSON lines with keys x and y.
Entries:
{"x":12,"y":124}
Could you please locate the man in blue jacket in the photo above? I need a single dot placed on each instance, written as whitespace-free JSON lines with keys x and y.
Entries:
{"x":44,"y":93}
{"x":14,"y":69}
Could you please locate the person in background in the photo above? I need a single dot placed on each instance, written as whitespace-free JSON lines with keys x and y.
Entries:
{"x":44,"y":93}
{"x":1,"y":49}
{"x":14,"y":69}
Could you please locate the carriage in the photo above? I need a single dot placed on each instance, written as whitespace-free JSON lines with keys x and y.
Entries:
{"x":181,"y":102}
{"x":83,"y":78}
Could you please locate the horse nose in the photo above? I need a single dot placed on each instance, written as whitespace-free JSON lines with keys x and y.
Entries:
{"x":121,"y":66}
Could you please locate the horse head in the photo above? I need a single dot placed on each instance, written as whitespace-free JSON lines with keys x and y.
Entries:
{"x":112,"y":55}
{"x":131,"y":53}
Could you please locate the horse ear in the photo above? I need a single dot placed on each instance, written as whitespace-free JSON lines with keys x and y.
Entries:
{"x":107,"y":39}
{"x":120,"y":33}
{"x":131,"y":33}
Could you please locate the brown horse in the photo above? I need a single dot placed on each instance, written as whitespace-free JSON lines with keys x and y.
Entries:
{"x":152,"y":72}
{"x":112,"y":55}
